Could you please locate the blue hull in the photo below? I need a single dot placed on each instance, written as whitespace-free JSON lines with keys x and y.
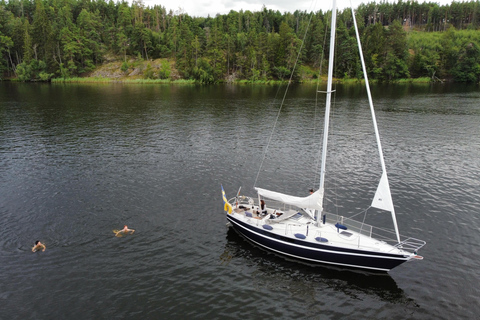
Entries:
{"x":317,"y":253}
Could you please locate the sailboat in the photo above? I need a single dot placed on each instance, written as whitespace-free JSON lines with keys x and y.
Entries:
{"x":299,"y":228}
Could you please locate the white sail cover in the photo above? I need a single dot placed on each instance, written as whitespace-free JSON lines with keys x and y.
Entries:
{"x":383,"y":197}
{"x":313,"y":201}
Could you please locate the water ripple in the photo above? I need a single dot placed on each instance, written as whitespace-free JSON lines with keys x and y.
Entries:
{"x":78,"y":161}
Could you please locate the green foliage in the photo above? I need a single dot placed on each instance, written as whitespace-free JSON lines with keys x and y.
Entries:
{"x":204,"y":72}
{"x":281,"y":72}
{"x":33,"y":71}
{"x":467,"y":68}
{"x":43,"y":76}
{"x":27,"y":44}
{"x":347,"y":57}
{"x":24,"y":72}
{"x":400,"y":40}
{"x":124,"y":66}
{"x":148,"y":73}
{"x":63,"y":72}
{"x":165,"y":71}
{"x":5,"y":44}
{"x":424,"y":59}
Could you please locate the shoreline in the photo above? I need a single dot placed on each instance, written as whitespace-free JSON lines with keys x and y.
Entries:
{"x":237,"y":82}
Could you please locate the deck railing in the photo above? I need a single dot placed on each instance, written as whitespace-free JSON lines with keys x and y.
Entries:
{"x":388,"y":236}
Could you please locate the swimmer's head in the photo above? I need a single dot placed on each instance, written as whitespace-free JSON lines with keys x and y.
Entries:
{"x":36,"y":242}
{"x":125,"y":227}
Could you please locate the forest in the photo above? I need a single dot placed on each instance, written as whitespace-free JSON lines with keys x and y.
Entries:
{"x":42,"y":40}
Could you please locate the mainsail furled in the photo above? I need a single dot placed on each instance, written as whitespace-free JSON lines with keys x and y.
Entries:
{"x":313,"y":201}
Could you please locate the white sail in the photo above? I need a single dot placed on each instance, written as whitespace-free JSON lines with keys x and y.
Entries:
{"x":313,"y":201}
{"x":383,"y":197}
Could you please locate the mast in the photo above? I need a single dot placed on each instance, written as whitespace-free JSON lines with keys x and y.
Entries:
{"x":383,"y":190}
{"x":328,"y":102}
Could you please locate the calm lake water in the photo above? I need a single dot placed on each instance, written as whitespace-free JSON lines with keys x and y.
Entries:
{"x":77,"y":161}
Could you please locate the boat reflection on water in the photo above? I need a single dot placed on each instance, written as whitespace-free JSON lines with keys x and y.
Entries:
{"x":274,"y":271}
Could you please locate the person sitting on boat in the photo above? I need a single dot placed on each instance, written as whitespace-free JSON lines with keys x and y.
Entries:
{"x":125,"y":230}
{"x":38,"y":245}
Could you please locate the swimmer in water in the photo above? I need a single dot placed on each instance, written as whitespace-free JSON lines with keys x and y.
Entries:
{"x":125,"y":230}
{"x":38,"y":245}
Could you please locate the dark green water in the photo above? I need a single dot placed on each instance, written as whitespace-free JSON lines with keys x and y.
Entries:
{"x":77,"y":161}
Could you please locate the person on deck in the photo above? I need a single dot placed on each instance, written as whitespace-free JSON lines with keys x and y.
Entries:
{"x":263,"y":207}
{"x":38,"y":245}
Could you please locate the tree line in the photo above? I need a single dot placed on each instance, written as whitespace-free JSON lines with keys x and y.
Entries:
{"x":44,"y":39}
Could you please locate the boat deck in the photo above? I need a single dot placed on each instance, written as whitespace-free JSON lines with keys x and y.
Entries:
{"x":296,"y":225}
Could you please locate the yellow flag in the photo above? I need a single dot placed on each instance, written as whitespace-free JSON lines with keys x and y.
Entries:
{"x":227,"y":206}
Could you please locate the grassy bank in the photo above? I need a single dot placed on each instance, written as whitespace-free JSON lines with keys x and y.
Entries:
{"x":116,"y":80}
{"x":243,"y":82}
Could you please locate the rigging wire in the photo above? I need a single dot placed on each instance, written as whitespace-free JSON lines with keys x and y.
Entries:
{"x":284,"y":97}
